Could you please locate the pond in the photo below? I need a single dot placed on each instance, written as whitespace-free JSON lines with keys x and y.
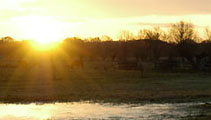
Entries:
{"x":86,"y":110}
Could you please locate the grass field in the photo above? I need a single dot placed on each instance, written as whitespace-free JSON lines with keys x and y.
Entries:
{"x":53,"y":80}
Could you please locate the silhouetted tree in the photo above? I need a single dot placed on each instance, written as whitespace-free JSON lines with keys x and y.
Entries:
{"x":125,"y":35}
{"x":106,"y":38}
{"x":207,"y":43}
{"x":75,"y":47}
{"x":208,"y":34}
{"x":7,"y":39}
{"x":184,"y":35}
{"x":154,"y":43}
{"x":182,"y":31}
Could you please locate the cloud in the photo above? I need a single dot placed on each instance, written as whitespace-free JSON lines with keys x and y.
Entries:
{"x":70,"y":19}
{"x":156,"y":7}
{"x":107,"y":8}
{"x":151,"y":24}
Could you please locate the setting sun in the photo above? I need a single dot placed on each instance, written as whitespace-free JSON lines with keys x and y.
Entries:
{"x":42,"y":30}
{"x":44,"y":46}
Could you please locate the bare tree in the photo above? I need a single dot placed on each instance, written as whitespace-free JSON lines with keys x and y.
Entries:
{"x":153,"y":39}
{"x":106,"y":38}
{"x":183,"y":31}
{"x":141,"y":34}
{"x":155,"y":34}
{"x":125,"y":35}
{"x":208,"y":33}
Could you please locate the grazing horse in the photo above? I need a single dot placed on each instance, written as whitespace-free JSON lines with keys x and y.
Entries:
{"x":77,"y":64}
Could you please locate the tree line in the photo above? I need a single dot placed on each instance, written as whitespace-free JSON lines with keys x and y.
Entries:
{"x":181,"y":41}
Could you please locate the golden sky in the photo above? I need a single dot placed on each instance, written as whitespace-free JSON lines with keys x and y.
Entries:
{"x":58,"y":19}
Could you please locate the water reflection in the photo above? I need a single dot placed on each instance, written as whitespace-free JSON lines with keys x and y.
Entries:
{"x":61,"y":111}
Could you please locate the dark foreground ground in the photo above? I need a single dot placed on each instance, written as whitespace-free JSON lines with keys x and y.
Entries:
{"x":51,"y":80}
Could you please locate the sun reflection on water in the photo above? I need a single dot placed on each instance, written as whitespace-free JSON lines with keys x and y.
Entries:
{"x":22,"y":112}
{"x":60,"y":111}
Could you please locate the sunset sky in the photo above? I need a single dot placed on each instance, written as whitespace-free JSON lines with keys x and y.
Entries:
{"x":58,"y":19}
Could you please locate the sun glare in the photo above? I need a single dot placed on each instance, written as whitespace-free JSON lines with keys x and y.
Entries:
{"x":45,"y":32}
{"x":44,"y":46}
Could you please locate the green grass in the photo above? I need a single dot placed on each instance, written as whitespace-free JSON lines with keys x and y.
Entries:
{"x":51,"y":81}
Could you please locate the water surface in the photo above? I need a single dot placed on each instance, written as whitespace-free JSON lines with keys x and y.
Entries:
{"x":85,"y":110}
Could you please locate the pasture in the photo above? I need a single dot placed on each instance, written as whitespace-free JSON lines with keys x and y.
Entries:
{"x":51,"y":79}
